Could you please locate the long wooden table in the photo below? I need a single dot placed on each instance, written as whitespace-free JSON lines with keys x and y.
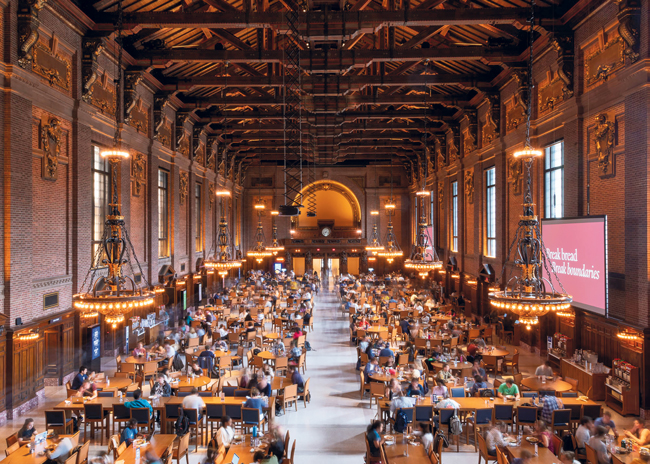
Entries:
{"x":243,"y":451}
{"x":23,"y":456}
{"x":535,"y":384}
{"x":544,"y":455}
{"x":395,"y":454}
{"x":159,"y":444}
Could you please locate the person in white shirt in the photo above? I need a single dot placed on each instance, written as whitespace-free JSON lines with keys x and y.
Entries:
{"x":544,"y":370}
{"x":400,"y":401}
{"x":583,"y":433}
{"x":61,"y":452}
{"x":225,"y":433}
{"x":426,"y":437}
{"x":169,"y":350}
{"x":494,"y":438}
{"x":194,"y":401}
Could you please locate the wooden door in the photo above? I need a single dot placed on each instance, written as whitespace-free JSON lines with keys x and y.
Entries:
{"x":53,"y":356}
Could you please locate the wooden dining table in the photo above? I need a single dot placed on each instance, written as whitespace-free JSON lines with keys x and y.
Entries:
{"x":118,"y":383}
{"x":158,"y":444}
{"x":141,"y":360}
{"x":544,"y":455}
{"x":402,"y":453}
{"x":536,"y":384}
{"x":198,"y":382}
{"x":242,"y":450}
{"x":266,"y":355}
{"x":23,"y":456}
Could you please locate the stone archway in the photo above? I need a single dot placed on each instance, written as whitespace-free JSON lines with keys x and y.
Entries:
{"x":340,"y":201}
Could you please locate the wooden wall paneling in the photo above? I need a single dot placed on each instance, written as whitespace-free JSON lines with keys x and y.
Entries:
{"x":68,"y":348}
{"x":3,"y":367}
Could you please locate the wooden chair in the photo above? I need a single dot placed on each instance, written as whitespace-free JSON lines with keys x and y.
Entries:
{"x":482,"y":419}
{"x":250,"y":417}
{"x":290,"y":396}
{"x":369,"y":457}
{"x":12,"y":449}
{"x":504,"y":413}
{"x":306,"y":397}
{"x":196,"y":423}
{"x":592,"y":456}
{"x":150,"y":369}
{"x":526,"y":416}
{"x":144,"y":418}
{"x":214,"y":413}
{"x":72,"y":459}
{"x":58,"y":420}
{"x":557,"y":444}
{"x":129,"y":369}
{"x":490,"y":363}
{"x":121,"y":416}
{"x":118,"y":361}
{"x":113,"y":445}
{"x":376,"y":392}
{"x":560,"y":421}
{"x":293,"y":451}
{"x":11,"y":439}
{"x":96,"y":418}
{"x":281,"y":366}
{"x":483,"y":451}
{"x":364,"y":387}
{"x":181,"y":451}
{"x":82,"y":454}
{"x":512,"y":363}
{"x":501,"y":457}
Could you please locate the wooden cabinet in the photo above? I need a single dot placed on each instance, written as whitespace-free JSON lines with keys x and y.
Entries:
{"x":589,"y":383}
{"x":622,"y":390}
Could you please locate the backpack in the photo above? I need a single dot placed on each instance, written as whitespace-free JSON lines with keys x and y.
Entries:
{"x":567,"y":442}
{"x":307,"y":346}
{"x":487,"y":393}
{"x":440,"y":436}
{"x":177,"y":363}
{"x":401,"y":422}
{"x":182,"y":425}
{"x":455,"y":425}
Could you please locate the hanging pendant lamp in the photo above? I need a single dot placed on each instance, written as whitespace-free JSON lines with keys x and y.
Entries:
{"x":375,"y":242}
{"x":392,"y":249}
{"x":530,"y":294}
{"x":259,"y":251}
{"x":423,"y":258}
{"x":116,"y":293}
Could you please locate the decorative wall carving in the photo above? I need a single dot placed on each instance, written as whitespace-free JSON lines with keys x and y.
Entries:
{"x":139,"y":117}
{"x":231,"y":171}
{"x":441,"y":151}
{"x":515,"y":174}
{"x":562,"y":42}
{"x":139,"y":173}
{"x":470,"y":135}
{"x":182,"y":139}
{"x":516,"y":110}
{"x":469,"y":185}
{"x":441,"y":194}
{"x":453,"y":143}
{"x":198,"y":153}
{"x":47,"y":63}
{"x":604,"y":139}
{"x":553,"y":92}
{"x":431,"y":162}
{"x":28,"y":24}
{"x":183,"y":186}
{"x":629,"y":19}
{"x":51,"y":145}
{"x":102,"y":96}
{"x":490,"y":127}
{"x":605,"y":61}
{"x":162,"y":128}
{"x":211,"y":151}
{"x":221,"y":153}
{"x":211,"y":194}
{"x":91,"y":48}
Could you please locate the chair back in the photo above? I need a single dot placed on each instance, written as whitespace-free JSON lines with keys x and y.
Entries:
{"x":94,"y":411}
{"x":557,"y":444}
{"x":206,"y":394}
{"x":82,"y":454}
{"x":547,"y":393}
{"x":250,"y":415}
{"x":106,"y":394}
{"x":234,"y":411}
{"x":561,"y":417}
{"x":229,"y":390}
{"x":121,"y":448}
{"x":183,"y":394}
{"x":291,"y":392}
{"x":11,"y":439}
{"x":576,"y":411}
{"x":423,"y":413}
{"x":183,"y":445}
{"x":142,"y":415}
{"x":569,"y":394}
{"x":242,"y":393}
{"x":458,"y":392}
{"x":214,"y":411}
{"x":55,"y":418}
{"x":120,"y":411}
{"x":592,"y":410}
{"x":592,"y":456}
{"x":529,"y":394}
{"x":482,"y":446}
{"x":171,"y":411}
{"x":483,"y":416}
{"x":192,"y":415}
{"x":206,"y":363}
{"x":445,"y":415}
{"x":72,"y":459}
{"x":503,"y":412}
{"x":12,"y":449}
{"x":526,"y":415}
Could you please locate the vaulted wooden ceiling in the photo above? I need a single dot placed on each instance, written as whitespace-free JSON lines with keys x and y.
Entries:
{"x":369,"y":67}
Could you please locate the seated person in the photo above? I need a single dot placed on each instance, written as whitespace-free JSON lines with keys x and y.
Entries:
{"x":386,"y":352}
{"x":263,"y":385}
{"x":544,"y":435}
{"x":400,"y":401}
{"x":549,"y":404}
{"x":415,"y":389}
{"x":544,"y":370}
{"x":245,"y":378}
{"x":139,"y":350}
{"x":194,"y":401}
{"x":255,"y":401}
{"x":597,"y":442}
{"x":195,"y":369}
{"x":130,"y":432}
{"x":26,"y":432}
{"x":607,"y":422}
{"x":371,"y":367}
{"x":296,"y":351}
{"x":161,"y":387}
{"x":439,"y":389}
{"x":297,"y":379}
{"x":478,"y":370}
{"x":583,"y":433}
{"x":494,"y":438}
{"x":479,"y":383}
{"x":157,"y":350}
{"x":86,"y":389}
{"x":445,"y":374}
{"x":80,"y":378}
{"x":139,"y":402}
{"x":226,"y":432}
{"x":62,"y":451}
{"x":639,"y":434}
{"x":508,"y":388}
{"x":373,"y":435}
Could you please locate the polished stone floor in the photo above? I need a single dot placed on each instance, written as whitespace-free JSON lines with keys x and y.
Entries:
{"x":331,"y":428}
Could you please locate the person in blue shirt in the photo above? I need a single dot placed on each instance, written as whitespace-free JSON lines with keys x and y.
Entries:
{"x":373,"y":434}
{"x":138,"y":402}
{"x":297,"y":379}
{"x":414,"y":389}
{"x":607,"y":422}
{"x":80,"y":378}
{"x":255,"y":401}
{"x":130,"y":433}
{"x":478,"y":384}
{"x":372,"y":366}
{"x":386,"y":352}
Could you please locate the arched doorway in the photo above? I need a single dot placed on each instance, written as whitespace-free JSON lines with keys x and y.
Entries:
{"x":335,"y":203}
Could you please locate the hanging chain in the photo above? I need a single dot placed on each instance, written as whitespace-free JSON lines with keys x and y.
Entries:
{"x":530,"y":73}
{"x":118,"y":82}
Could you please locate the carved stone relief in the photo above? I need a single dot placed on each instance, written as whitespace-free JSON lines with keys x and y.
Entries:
{"x":211,"y":194}
{"x":515,"y":174}
{"x":441,"y":194}
{"x":183,"y":186}
{"x":608,"y":58}
{"x":452,"y":144}
{"x":48,"y":63}
{"x":139,"y":173}
{"x":131,"y":81}
{"x":51,"y":145}
{"x":162,"y":128}
{"x":604,"y":137}
{"x":28,"y":24}
{"x":470,"y":132}
{"x":182,"y":138}
{"x":629,"y":19}
{"x":91,"y":48}
{"x":490,"y":126}
{"x":441,"y":152}
{"x":469,"y":185}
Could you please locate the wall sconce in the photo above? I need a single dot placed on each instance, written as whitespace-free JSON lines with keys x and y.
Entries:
{"x":26,"y":336}
{"x":628,"y":335}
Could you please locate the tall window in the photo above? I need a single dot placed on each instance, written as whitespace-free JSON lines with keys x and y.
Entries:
{"x":490,"y":213}
{"x":454,"y":216}
{"x":101,"y":192}
{"x":198,"y":213}
{"x":163,"y":213}
{"x":554,"y":180}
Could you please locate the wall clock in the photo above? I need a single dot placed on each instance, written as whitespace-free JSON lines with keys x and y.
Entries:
{"x":326,"y":231}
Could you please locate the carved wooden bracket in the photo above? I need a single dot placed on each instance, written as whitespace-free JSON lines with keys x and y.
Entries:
{"x":211,"y":153}
{"x":441,"y":152}
{"x":183,"y":186}
{"x":221,"y":155}
{"x":28,"y":24}
{"x":230,"y":173}
{"x":490,"y":127}
{"x":562,"y":42}
{"x":469,"y":185}
{"x":470,"y":133}
{"x":241,"y":173}
{"x":51,"y":145}
{"x":516,"y":114}
{"x":629,"y":22}
{"x":131,"y":81}
{"x":139,"y":173}
{"x":198,"y":150}
{"x":161,"y":125}
{"x":182,"y":139}
{"x":453,"y":142}
{"x":91,"y":48}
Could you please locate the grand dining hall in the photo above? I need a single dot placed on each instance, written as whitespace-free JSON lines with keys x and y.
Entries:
{"x":352,"y":231}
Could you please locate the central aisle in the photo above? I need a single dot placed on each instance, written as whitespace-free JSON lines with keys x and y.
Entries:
{"x":332,"y":427}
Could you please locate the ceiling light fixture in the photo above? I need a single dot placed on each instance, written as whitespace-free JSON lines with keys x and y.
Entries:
{"x":530,"y":294}
{"x":392,"y":249}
